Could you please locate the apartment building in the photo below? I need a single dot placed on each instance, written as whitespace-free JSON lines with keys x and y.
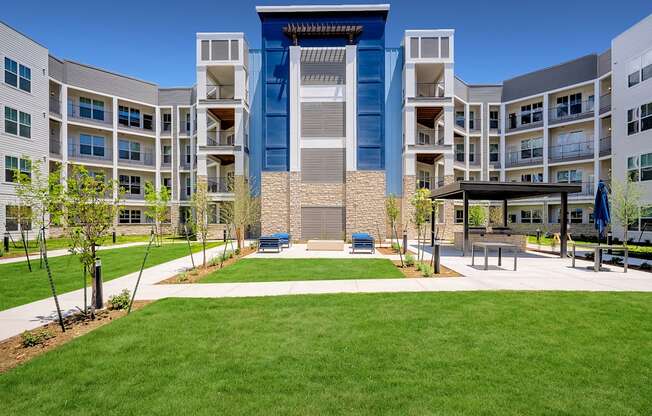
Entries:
{"x":325,"y":122}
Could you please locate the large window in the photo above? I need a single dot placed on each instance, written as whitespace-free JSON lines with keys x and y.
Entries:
{"x":423,"y":179}
{"x":459,"y":152}
{"x":459,"y":118}
{"x":167,"y":122}
{"x":14,"y":164}
{"x":646,"y":116}
{"x":167,"y":154}
{"x":15,"y":215}
{"x":640,"y":69}
{"x":532,"y":113}
{"x":129,"y":150}
{"x":494,"y":152}
{"x":91,"y":145}
{"x":569,"y":176}
{"x":18,"y":75}
{"x":639,"y":168}
{"x":130,"y":216}
{"x":11,"y":120}
{"x":129,"y":117}
{"x":532,"y":177}
{"x":493,"y":119}
{"x":89,"y":108}
{"x":148,"y":122}
{"x":130,"y":184}
{"x":576,"y":215}
{"x":531,"y":216}
{"x":532,"y":148}
{"x":639,"y":119}
{"x":18,"y":123}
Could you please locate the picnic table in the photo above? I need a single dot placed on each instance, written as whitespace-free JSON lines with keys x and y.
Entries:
{"x":597,"y":253}
{"x":489,"y":245}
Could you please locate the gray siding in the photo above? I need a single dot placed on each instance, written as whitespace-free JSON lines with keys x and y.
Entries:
{"x":322,"y":223}
{"x":461,"y":89}
{"x":322,"y":165}
{"x":175,"y":96}
{"x":55,"y":68}
{"x":109,"y":83}
{"x":604,"y":62}
{"x":559,"y":76}
{"x":485,"y":93}
{"x":323,"y":119}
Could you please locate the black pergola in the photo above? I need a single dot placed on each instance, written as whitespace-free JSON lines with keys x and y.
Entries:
{"x":505,"y":191}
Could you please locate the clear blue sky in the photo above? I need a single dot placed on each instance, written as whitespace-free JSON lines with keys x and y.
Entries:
{"x":154,"y":40}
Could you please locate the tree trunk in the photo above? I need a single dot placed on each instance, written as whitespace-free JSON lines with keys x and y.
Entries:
{"x":94,"y":283}
{"x":238,"y":236}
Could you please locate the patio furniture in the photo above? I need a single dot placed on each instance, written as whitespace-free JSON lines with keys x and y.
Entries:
{"x":286,"y":239}
{"x":362,"y":242}
{"x":597,"y":253}
{"x":269,"y":243}
{"x":489,"y":245}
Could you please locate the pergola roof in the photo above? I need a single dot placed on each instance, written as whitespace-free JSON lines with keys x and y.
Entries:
{"x":498,"y":191}
{"x":333,"y":29}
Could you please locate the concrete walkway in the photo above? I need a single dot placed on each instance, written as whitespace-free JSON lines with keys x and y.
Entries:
{"x":64,"y":252}
{"x":536,"y":271}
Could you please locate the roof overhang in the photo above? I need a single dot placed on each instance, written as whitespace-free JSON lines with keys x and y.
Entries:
{"x":324,"y":8}
{"x":497,"y":191}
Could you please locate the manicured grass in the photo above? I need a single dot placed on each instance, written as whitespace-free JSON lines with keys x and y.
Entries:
{"x":488,"y":353}
{"x":271,"y":270}
{"x":548,"y":241}
{"x":18,"y":286}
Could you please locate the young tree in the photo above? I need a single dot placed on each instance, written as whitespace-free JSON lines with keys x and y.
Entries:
{"x":158,"y":208}
{"x":626,"y":203}
{"x":422,"y":210}
{"x":200,"y":206}
{"x":392,"y":211}
{"x":246,"y":207}
{"x":477,"y":216}
{"x":90,"y":210}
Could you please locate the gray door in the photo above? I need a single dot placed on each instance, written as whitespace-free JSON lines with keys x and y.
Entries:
{"x":322,"y":223}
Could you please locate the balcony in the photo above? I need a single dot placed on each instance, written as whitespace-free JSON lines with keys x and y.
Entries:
{"x":143,"y":158}
{"x":166,"y":128}
{"x":525,"y":120}
{"x":588,"y":189}
{"x":90,"y":153}
{"x":562,"y":113}
{"x":220,"y":92}
{"x":129,"y":196}
{"x":518,"y":158}
{"x":137,"y":126}
{"x":166,"y":161}
{"x":474,"y":159}
{"x":571,"y":151}
{"x":220,"y":184}
{"x":55,"y":147}
{"x":430,"y":90}
{"x":427,"y":137}
{"x":220,"y":138}
{"x":475,"y":125}
{"x":605,"y":146}
{"x":494,"y":126}
{"x":605,"y":103}
{"x":55,"y":106}
{"x":184,"y":164}
{"x":90,"y":115}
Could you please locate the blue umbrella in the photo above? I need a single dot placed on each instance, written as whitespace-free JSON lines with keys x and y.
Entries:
{"x":601,"y":214}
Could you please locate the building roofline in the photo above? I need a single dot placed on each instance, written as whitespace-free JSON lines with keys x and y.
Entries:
{"x":551,"y":66}
{"x":24,"y":35}
{"x":316,"y":8}
{"x":111,"y":72}
{"x":476,"y":85}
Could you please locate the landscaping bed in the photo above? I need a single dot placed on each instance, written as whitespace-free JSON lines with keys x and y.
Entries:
{"x":413,"y":271}
{"x":14,"y":351}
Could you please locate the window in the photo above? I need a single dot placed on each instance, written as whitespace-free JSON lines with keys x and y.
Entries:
{"x":25,"y":125}
{"x":147,"y":122}
{"x":493,"y":119}
{"x":11,"y":120}
{"x":123,"y":115}
{"x":537,"y":112}
{"x":188,"y":154}
{"x":429,"y":47}
{"x":414,"y":47}
{"x":188,"y":186}
{"x":130,"y":184}
{"x":532,"y":177}
{"x":576,"y":103}
{"x":128,"y":150}
{"x":423,"y":179}
{"x":167,"y":154}
{"x":167,"y":122}
{"x":512,"y":120}
{"x":459,"y":118}
{"x":424,"y":138}
{"x":129,"y":117}
{"x":11,"y":72}
{"x":531,"y":148}
{"x":13,"y":164}
{"x":562,"y":107}
{"x":471,"y":152}
{"x":472,"y":120}
{"x":15,"y":215}
{"x":632,"y":121}
{"x":576,"y":215}
{"x":646,"y":71}
{"x":632,"y":168}
{"x":526,"y":114}
{"x":639,"y":168}
{"x":512,"y":218}
{"x":91,"y":145}
{"x":134,"y":117}
{"x":494,"y":152}
{"x":459,"y":152}
{"x":25,"y":78}
{"x":459,"y":216}
{"x":634,"y":76}
{"x":569,"y":176}
{"x":129,"y":216}
{"x":93,"y":109}
{"x":531,"y":216}
{"x":167,"y":182}
{"x":646,"y":116}
{"x":187,"y":121}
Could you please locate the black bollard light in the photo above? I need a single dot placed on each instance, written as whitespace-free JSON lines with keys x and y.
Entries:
{"x":113,"y":237}
{"x":99,"y":301}
{"x":6,"y":243}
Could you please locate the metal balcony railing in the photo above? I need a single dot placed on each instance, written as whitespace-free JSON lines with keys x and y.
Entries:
{"x":143,"y":158}
{"x":588,"y":189}
{"x":605,"y":146}
{"x":220,"y":184}
{"x":494,"y":125}
{"x":521,"y":158}
{"x":474,"y":159}
{"x":430,"y":89}
{"x":220,"y":91}
{"x":605,"y":103}
{"x":55,"y":106}
{"x":55,"y":146}
{"x":475,"y":125}
{"x":220,"y":138}
{"x":130,"y":196}
{"x":91,"y":153}
{"x":571,"y":151}
{"x":166,"y":127}
{"x":92,"y":115}
{"x":561,"y":113}
{"x":184,"y":163}
{"x":524,"y":120}
{"x":426,"y":137}
{"x":142,"y":125}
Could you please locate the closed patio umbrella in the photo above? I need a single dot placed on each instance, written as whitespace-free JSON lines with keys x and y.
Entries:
{"x":601,"y":214}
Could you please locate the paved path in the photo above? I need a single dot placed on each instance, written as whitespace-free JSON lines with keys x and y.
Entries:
{"x":64,"y":252}
{"x":536,"y":272}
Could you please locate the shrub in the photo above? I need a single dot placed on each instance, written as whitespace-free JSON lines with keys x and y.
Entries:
{"x":36,"y":337}
{"x":396,"y":247}
{"x":409,"y":260}
{"x":120,"y":301}
{"x":237,"y":251}
{"x":425,"y":269}
{"x":182,"y":277}
{"x":215,"y":261}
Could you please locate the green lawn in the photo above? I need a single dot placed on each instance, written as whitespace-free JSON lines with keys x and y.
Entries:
{"x":548,"y":241}
{"x":63,"y":243}
{"x":271,"y":270}
{"x":481,"y":353}
{"x":18,"y":286}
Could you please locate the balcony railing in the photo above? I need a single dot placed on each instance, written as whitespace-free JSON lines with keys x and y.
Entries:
{"x":494,"y":126}
{"x":220,"y":184}
{"x":588,"y":189}
{"x":430,"y":89}
{"x":524,"y":120}
{"x":130,"y":196}
{"x":91,"y":153}
{"x":55,"y":146}
{"x":142,"y":125}
{"x":474,"y":159}
{"x":144,"y":158}
{"x":90,"y":115}
{"x":561,"y":113}
{"x":426,"y":137}
{"x":166,"y":161}
{"x":166,"y":127}
{"x":605,"y":103}
{"x":55,"y":106}
{"x":475,"y":125}
{"x":605,"y":146}
{"x":518,"y":158}
{"x":184,"y":163}
{"x":571,"y":151}
{"x":220,"y":138}
{"x":219,"y":91}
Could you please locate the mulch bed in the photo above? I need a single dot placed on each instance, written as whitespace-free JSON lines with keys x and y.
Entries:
{"x":411,"y":271}
{"x":195,"y":275}
{"x":12,"y":352}
{"x":387,"y":251}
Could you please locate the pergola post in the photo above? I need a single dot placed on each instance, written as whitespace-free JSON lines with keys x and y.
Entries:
{"x":563,"y":225}
{"x":465,"y":244}
{"x":505,"y":213}
{"x":432,"y":228}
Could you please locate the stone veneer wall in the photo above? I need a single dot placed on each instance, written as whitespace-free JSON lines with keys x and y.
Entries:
{"x":407,"y":210}
{"x":294,"y":213}
{"x":365,"y":203}
{"x":275,"y":203}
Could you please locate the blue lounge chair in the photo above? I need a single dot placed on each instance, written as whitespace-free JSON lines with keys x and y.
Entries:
{"x":269,"y":243}
{"x":286,"y":239}
{"x":362,"y":242}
